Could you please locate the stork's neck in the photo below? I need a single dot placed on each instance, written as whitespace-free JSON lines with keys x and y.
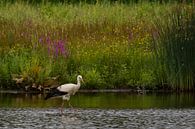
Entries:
{"x":78,"y":82}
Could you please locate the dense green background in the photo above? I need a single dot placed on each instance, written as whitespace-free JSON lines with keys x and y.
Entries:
{"x":95,"y":1}
{"x":146,"y":45}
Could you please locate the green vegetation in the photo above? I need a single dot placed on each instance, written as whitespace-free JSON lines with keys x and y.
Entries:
{"x":112,"y":45}
{"x":175,"y":48}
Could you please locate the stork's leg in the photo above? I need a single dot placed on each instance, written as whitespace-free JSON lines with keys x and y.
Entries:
{"x":70,"y":105}
{"x":62,"y":106}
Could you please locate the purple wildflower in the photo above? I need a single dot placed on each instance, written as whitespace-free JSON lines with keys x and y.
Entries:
{"x":56,"y":47}
{"x":48,"y":40}
{"x":41,"y":40}
{"x":61,"y":46}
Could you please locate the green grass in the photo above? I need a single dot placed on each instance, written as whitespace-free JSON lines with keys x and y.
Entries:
{"x":111,"y":45}
{"x":176,"y":44}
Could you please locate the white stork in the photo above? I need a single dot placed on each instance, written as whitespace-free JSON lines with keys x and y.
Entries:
{"x":65,"y":91}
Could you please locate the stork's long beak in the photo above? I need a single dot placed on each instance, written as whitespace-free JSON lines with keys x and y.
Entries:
{"x":83,"y":81}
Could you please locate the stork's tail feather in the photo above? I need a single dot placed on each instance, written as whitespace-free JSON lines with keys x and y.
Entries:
{"x":49,"y":95}
{"x":54,"y":93}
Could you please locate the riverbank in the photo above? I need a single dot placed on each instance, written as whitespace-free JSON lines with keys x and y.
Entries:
{"x":113,"y":46}
{"x":131,"y":91}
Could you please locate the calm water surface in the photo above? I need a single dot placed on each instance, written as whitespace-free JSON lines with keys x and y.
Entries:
{"x":99,"y":110}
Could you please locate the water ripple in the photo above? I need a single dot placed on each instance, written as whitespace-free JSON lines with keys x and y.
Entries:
{"x":19,"y":118}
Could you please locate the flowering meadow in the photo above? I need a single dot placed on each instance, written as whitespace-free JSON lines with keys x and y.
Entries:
{"x":112,"y":45}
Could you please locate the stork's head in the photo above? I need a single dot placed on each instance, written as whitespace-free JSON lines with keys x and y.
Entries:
{"x":79,"y":78}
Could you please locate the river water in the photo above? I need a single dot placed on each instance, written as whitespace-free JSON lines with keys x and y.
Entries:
{"x":99,"y":111}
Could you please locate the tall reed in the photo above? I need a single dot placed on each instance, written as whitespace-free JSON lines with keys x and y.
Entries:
{"x":174,"y":41}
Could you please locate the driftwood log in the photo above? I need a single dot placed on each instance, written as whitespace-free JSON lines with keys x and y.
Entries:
{"x":26,"y":83}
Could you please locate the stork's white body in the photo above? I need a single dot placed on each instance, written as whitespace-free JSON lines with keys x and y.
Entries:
{"x":70,"y":88}
{"x":66,"y":90}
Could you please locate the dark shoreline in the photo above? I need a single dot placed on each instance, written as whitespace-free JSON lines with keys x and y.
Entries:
{"x":81,"y":91}
{"x":101,"y":91}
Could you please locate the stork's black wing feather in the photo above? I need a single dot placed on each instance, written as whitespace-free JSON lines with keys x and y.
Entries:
{"x":54,"y":93}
